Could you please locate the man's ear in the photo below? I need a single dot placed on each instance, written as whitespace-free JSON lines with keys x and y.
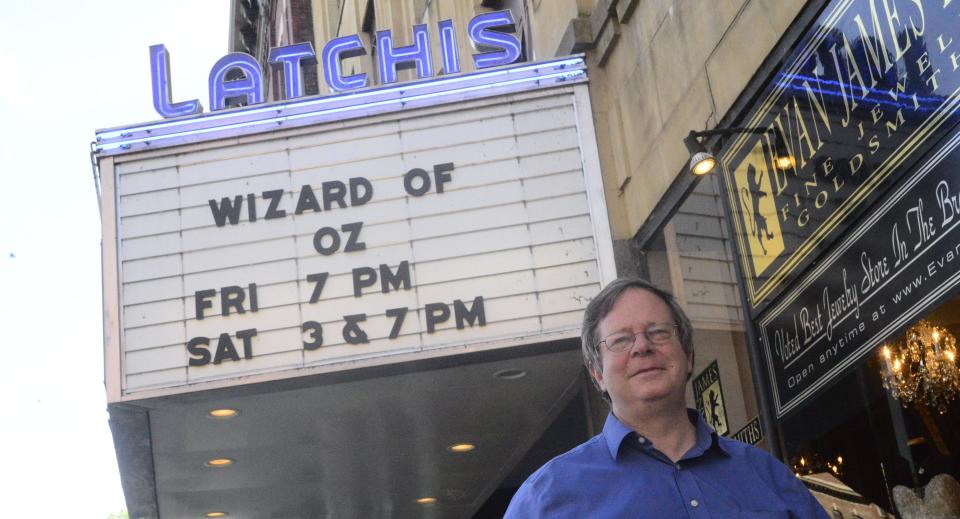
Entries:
{"x":598,"y":378}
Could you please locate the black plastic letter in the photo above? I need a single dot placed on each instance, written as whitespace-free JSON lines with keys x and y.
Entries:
{"x":307,"y":200}
{"x":334,"y":191}
{"x":226,"y":210}
{"x":201,"y":301}
{"x":274,"y":195}
{"x":315,"y":330}
{"x":356,"y":198}
{"x":354,"y":230}
{"x":318,"y":240}
{"x":389,"y":279}
{"x":320,"y":280}
{"x":232,"y":297}
{"x":225,"y":349}
{"x":436,"y":313}
{"x":440,"y":175}
{"x":246,"y":336}
{"x":352,"y":332}
{"x":475,"y":314}
{"x":408,"y":180}
{"x":398,"y":315}
{"x":363,"y":277}
{"x":201,"y":355}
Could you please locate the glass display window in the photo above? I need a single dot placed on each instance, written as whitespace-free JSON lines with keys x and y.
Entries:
{"x":883,"y":440}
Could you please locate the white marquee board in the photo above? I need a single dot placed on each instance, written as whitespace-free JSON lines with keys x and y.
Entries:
{"x":520,"y":230}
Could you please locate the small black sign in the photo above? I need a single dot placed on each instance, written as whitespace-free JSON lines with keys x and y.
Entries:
{"x":751,"y":433}
{"x":708,"y":394}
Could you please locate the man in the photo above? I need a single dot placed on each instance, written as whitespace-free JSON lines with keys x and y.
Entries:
{"x":655,"y":458}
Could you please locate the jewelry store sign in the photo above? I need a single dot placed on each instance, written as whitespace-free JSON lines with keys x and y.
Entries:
{"x":898,"y":262}
{"x":469,"y":224}
{"x":708,"y":396}
{"x":873,"y":84}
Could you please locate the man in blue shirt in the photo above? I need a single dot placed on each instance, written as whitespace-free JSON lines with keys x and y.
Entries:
{"x":655,"y":458}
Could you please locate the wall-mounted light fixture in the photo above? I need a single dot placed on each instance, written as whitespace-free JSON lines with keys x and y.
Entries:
{"x":703,"y":160}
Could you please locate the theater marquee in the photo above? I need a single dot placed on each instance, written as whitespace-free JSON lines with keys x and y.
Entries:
{"x":321,"y":234}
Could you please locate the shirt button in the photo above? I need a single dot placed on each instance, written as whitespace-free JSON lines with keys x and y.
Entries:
{"x":694,"y":503}
{"x":677,"y":465}
{"x":641,"y":440}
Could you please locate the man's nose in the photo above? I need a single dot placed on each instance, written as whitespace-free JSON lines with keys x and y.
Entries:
{"x":641,"y":345}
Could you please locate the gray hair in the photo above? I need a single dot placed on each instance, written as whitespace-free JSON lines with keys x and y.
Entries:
{"x":602,"y":304}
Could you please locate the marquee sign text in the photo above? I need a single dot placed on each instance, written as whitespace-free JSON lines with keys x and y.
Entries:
{"x":489,"y":33}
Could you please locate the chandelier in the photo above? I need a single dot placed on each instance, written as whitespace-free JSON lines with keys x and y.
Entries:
{"x":921,"y":367}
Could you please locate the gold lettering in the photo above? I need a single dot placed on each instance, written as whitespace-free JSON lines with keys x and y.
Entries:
{"x":876,"y":112}
{"x":923,"y":19}
{"x":779,"y":174}
{"x":893,"y":125}
{"x":874,"y":46}
{"x":856,"y":162}
{"x":803,"y":135}
{"x":953,"y":59}
{"x":812,"y":183}
{"x":893,"y":16}
{"x":828,"y":169}
{"x":848,"y":104}
{"x":821,"y":199}
{"x":874,"y":144}
{"x":837,"y":184}
{"x":816,"y":103}
{"x":923,"y":65}
{"x":853,"y":69}
{"x":943,"y":46}
{"x":923,"y":62}
{"x":901,"y":88}
{"x":784,"y":212}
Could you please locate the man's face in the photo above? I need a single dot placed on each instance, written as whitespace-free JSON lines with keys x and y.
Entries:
{"x":644,"y":373}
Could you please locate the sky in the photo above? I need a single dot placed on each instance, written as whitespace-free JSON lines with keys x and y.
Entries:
{"x":68,"y":68}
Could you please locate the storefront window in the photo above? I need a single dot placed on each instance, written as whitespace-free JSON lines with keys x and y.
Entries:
{"x":864,"y":451}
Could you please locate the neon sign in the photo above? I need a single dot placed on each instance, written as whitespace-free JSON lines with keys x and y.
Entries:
{"x":488,"y":33}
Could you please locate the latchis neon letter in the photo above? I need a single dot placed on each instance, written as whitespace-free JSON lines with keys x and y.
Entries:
{"x":291,"y":60}
{"x":496,"y":46}
{"x":334,"y":52}
{"x":393,"y":59}
{"x":160,"y":75}
{"x":249,"y":87}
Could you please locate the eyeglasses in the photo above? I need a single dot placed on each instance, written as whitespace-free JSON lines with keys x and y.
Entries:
{"x":659,"y":333}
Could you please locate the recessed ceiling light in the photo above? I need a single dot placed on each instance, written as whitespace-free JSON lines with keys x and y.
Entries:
{"x":223,"y":413}
{"x":510,"y":374}
{"x":220,"y":462}
{"x":461,"y":447}
{"x":216,"y":514}
{"x":427,"y":500}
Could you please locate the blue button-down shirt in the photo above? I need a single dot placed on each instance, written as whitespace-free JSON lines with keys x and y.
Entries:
{"x":619,"y":474}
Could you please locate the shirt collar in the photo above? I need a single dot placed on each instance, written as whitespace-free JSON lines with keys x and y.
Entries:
{"x":615,"y":432}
